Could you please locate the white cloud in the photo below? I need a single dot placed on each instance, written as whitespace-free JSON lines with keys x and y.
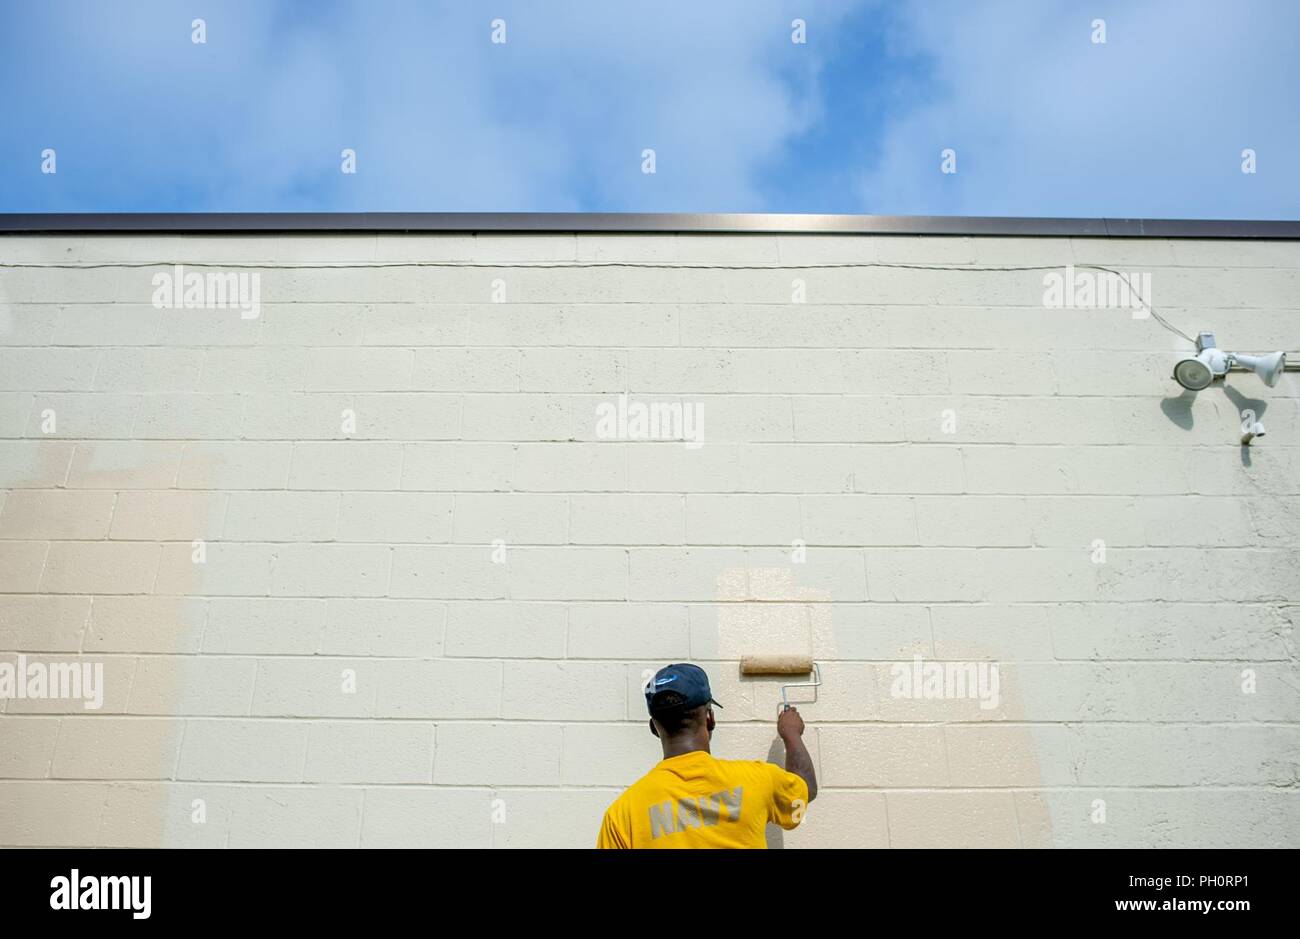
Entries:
{"x":1044,"y":122}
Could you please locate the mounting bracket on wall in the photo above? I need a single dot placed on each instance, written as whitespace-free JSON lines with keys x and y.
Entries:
{"x":1250,"y":428}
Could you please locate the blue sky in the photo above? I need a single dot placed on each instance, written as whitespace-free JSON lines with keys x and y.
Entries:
{"x":1044,"y":121}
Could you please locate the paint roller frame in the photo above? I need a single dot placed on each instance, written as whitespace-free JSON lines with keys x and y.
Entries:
{"x":783,"y":665}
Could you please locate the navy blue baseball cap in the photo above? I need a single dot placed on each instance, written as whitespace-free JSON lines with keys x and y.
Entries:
{"x":689,"y":681}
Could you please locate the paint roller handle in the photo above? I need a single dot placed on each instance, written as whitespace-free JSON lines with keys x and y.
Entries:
{"x":789,"y":724}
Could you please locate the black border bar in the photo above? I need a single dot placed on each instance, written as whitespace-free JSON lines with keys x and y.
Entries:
{"x":517,"y":222}
{"x":300,"y":889}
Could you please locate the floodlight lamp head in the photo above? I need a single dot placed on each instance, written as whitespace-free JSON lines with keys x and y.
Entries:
{"x":1268,"y":367}
{"x":1196,"y":373}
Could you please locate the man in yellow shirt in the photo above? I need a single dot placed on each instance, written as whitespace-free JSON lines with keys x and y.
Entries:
{"x":690,"y":799}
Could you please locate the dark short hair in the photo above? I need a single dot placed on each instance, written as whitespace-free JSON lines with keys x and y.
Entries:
{"x":666,"y":708}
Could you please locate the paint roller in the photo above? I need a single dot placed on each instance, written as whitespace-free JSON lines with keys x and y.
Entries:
{"x":782,"y":665}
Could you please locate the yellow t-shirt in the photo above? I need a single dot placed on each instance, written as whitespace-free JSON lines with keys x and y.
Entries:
{"x":696,"y":801}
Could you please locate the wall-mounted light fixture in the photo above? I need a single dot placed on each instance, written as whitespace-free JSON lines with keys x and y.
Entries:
{"x":1197,"y":372}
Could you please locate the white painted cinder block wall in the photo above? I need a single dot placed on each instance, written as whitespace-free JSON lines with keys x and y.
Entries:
{"x":498,"y":704}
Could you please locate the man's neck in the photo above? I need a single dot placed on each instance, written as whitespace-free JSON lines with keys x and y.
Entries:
{"x":683,"y":746}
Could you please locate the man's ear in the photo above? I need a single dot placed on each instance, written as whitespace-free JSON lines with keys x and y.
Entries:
{"x":653,"y":729}
{"x":709,"y":720}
